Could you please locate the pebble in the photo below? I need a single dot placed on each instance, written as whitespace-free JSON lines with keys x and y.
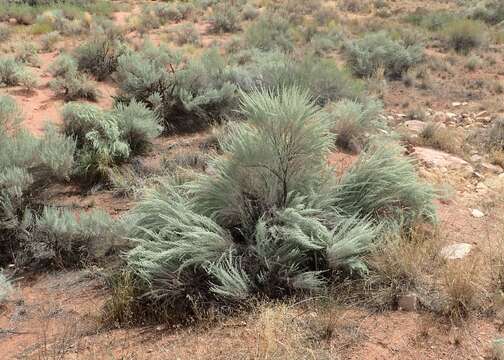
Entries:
{"x":477,"y":213}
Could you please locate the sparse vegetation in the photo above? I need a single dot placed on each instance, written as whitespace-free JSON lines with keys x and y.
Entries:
{"x":465,"y":35}
{"x":373,"y":51}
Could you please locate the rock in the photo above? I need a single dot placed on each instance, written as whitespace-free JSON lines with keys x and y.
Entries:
{"x":456,"y":251}
{"x":498,"y":349}
{"x":495,"y":183}
{"x":476,"y":158}
{"x":408,"y":302}
{"x":440,"y":159}
{"x":477,"y":213}
{"x":456,"y":104}
{"x":415,"y":126}
{"x":496,"y":169}
{"x":12,"y":21}
{"x":481,"y":113}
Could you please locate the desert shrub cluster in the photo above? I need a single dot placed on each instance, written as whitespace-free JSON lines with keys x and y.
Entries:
{"x":272,"y":220}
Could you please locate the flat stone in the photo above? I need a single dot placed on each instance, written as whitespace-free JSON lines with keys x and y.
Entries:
{"x":440,"y":159}
{"x":477,"y":213}
{"x":408,"y":302}
{"x":496,"y":169}
{"x":456,"y":104}
{"x":456,"y":251}
{"x":415,"y":126}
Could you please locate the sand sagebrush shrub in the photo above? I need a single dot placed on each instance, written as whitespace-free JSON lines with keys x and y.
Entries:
{"x":61,"y":238}
{"x":496,"y":134}
{"x":13,"y":73}
{"x":27,"y":164}
{"x":265,"y":222}
{"x":383,"y":185}
{"x":98,"y":137}
{"x":48,"y":41}
{"x":69,"y":82}
{"x":368,"y":54}
{"x":185,"y":98}
{"x":273,"y":70}
{"x":489,"y":11}
{"x":186,"y":34}
{"x":464,"y":35}
{"x":99,"y":56}
{"x":224,"y":18}
{"x":5,"y":32}
{"x":354,"y":122}
{"x":138,"y":125}
{"x":270,"y":32}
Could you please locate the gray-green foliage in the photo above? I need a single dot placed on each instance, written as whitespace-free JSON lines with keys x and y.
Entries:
{"x":270,"y":32}
{"x":354,"y":122}
{"x":99,"y":56}
{"x":270,"y":219}
{"x":225,"y":18}
{"x":368,"y":54}
{"x":69,"y":82}
{"x":383,"y":185}
{"x":186,"y":98}
{"x":138,"y":125}
{"x":107,"y":138}
{"x":272,"y":70}
{"x":13,"y":73}
{"x":63,"y":238}
{"x":26,"y":165}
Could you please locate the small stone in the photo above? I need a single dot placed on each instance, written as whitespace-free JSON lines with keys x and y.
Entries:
{"x":456,"y":251}
{"x":456,"y":104}
{"x":496,"y":169}
{"x":415,"y":126}
{"x":476,"y":158}
{"x":477,"y":213}
{"x":12,"y":21}
{"x":407,"y":302}
{"x":498,"y":349}
{"x":481,"y":113}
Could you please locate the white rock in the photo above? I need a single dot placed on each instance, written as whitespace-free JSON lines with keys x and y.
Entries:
{"x":416,"y":126}
{"x":440,"y":159}
{"x":456,"y":251}
{"x":456,"y":104}
{"x":496,"y":169}
{"x":477,"y":213}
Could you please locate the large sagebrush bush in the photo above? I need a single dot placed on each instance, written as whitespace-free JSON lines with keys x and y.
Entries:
{"x":224,"y":18}
{"x":489,"y":11}
{"x":269,"y":220}
{"x":373,"y":51}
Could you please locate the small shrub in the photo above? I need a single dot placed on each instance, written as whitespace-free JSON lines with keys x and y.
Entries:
{"x":489,"y":11}
{"x":465,"y":35}
{"x":49,"y":41}
{"x":27,"y":54}
{"x":99,"y":56}
{"x":68,"y":82}
{"x":13,"y":73}
{"x":441,"y":138}
{"x":186,"y":34}
{"x":472,"y":63}
{"x":98,"y":137}
{"x":63,"y":239}
{"x":353,"y":122}
{"x":432,"y":21}
{"x":249,"y":12}
{"x":496,"y":134}
{"x":355,"y":6}
{"x":138,"y":125}
{"x":269,"y":32}
{"x":377,"y":50}
{"x":224,"y":18}
{"x":5,"y":32}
